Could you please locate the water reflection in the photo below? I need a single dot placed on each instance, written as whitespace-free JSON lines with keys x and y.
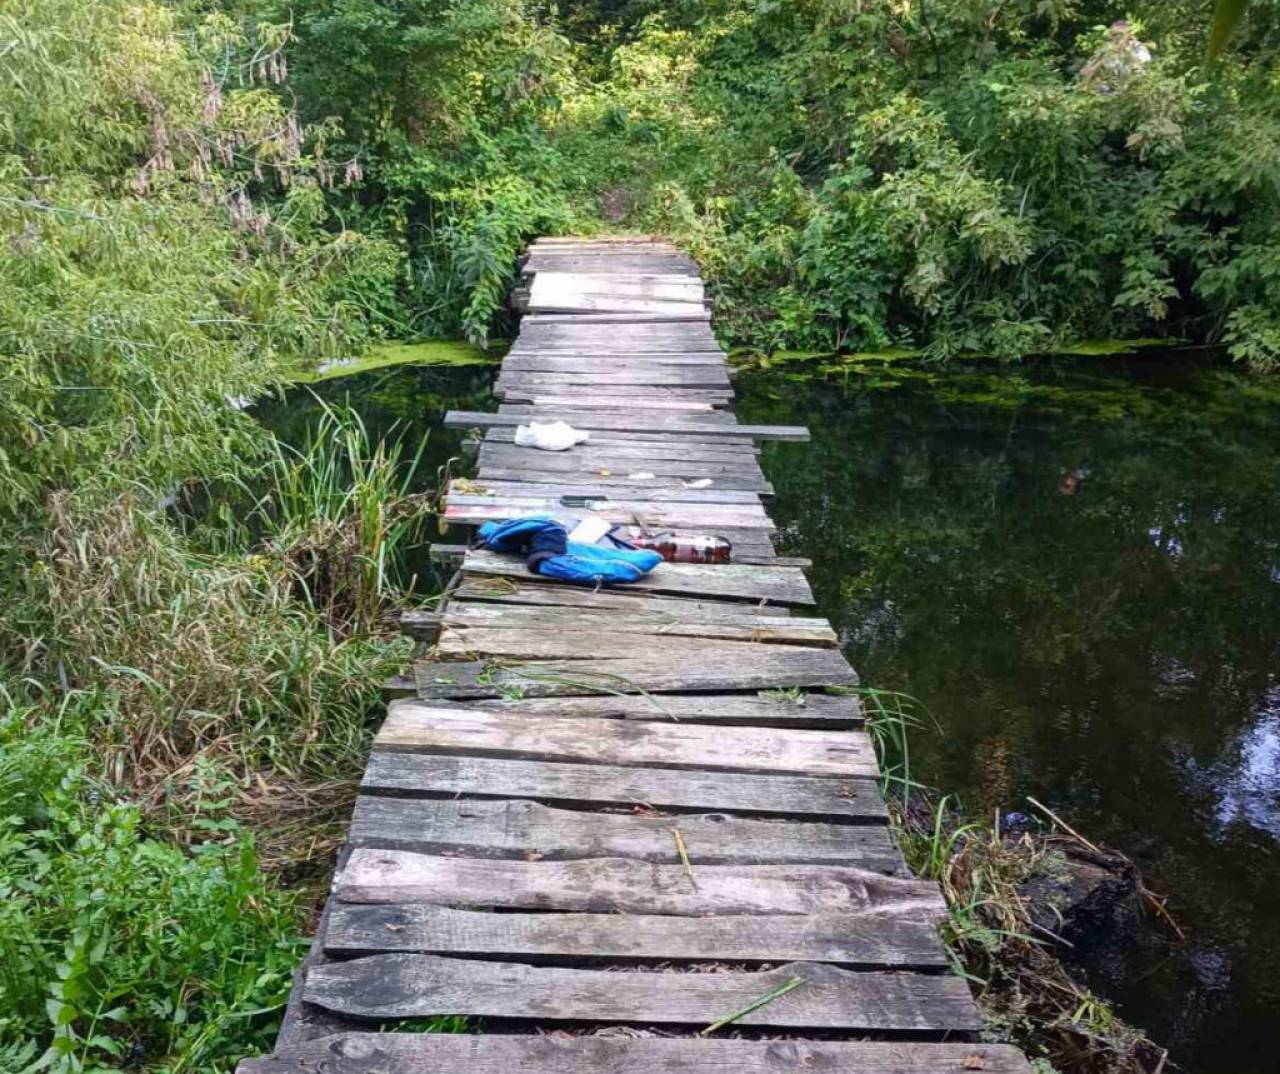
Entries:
{"x":1245,"y":779}
{"x":1077,"y":572}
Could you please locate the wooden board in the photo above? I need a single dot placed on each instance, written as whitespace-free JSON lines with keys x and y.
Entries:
{"x":670,"y":285}
{"x":741,"y":481}
{"x":528,"y":589}
{"x":410,"y":775}
{"x":515,"y":829}
{"x":625,"y":886}
{"x":556,"y":642}
{"x":422,"y":929}
{"x":658,"y":441}
{"x":650,"y":396}
{"x":669,"y":492}
{"x":446,"y":1053}
{"x":657,"y":517}
{"x":781,"y":585}
{"x":553,"y":301}
{"x":736,"y":624}
{"x":776,"y":709}
{"x":496,"y":447}
{"x":702,"y":667}
{"x":603,"y":373}
{"x":535,"y":361}
{"x":672,"y":420}
{"x":519,"y":415}
{"x":422,"y":727}
{"x":419,"y":986}
{"x":583,"y":399}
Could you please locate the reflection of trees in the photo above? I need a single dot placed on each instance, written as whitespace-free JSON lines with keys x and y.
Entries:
{"x":1094,"y":644}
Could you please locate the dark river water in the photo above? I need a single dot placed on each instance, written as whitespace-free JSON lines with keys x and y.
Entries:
{"x":1076,"y":567}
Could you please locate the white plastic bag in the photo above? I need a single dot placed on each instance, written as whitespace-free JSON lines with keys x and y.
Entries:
{"x":549,"y":436}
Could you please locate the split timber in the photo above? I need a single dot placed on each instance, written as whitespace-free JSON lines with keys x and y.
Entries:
{"x":597,"y":823}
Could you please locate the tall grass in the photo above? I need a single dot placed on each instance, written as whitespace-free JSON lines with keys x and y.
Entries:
{"x":166,"y":692}
{"x":257,"y":640}
{"x":891,"y":718}
{"x":339,"y":511}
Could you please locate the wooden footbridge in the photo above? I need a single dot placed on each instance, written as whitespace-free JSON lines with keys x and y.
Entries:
{"x":635,"y":830}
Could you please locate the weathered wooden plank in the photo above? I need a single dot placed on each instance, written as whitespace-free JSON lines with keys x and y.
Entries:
{"x":529,"y":360}
{"x":672,"y":286}
{"x":696,"y":350}
{"x":703,"y":667}
{"x":518,"y":415}
{"x":413,"y":986}
{"x":633,"y":394}
{"x":407,"y":775}
{"x":622,"y":479}
{"x":446,"y":1053}
{"x":651,"y":374}
{"x":599,"y":452}
{"x":621,"y":461}
{"x":670,"y":492}
{"x":514,"y":829}
{"x":557,"y":640}
{"x":665,"y":418}
{"x":426,"y":728}
{"x":571,"y":261}
{"x":656,"y":516}
{"x":776,"y":709}
{"x":552,"y":301}
{"x":582,"y":417}
{"x":735,"y":623}
{"x":727,"y":581}
{"x":661,"y":393}
{"x":750,"y":546}
{"x":678,"y":337}
{"x":582,"y":399}
{"x":625,"y":886}
{"x":654,"y":442}
{"x":421,"y":929}
{"x":527,"y":589}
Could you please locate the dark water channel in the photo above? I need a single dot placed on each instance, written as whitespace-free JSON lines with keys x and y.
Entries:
{"x":1077,"y":568}
{"x":1078,"y":571}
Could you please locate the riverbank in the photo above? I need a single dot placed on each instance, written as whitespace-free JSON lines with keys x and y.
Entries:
{"x":1034,"y":911}
{"x":190,"y":696}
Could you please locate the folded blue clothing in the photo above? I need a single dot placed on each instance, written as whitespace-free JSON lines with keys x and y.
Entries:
{"x":544,"y":543}
{"x":588,"y":570}
{"x":642,"y":558}
{"x":535,"y":533}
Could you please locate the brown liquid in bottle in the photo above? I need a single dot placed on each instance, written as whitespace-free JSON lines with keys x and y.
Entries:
{"x":686,"y":548}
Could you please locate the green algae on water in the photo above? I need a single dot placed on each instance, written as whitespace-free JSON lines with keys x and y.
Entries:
{"x":436,"y":352}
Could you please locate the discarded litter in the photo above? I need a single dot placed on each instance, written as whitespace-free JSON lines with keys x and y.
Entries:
{"x":701,"y":483}
{"x":686,"y":547}
{"x":549,"y":553}
{"x":643,"y":475}
{"x":549,"y":436}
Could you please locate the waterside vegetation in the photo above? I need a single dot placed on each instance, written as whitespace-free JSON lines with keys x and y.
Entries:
{"x":201,"y":202}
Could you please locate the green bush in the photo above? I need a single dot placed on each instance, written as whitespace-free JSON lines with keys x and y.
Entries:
{"x":117,"y":946}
